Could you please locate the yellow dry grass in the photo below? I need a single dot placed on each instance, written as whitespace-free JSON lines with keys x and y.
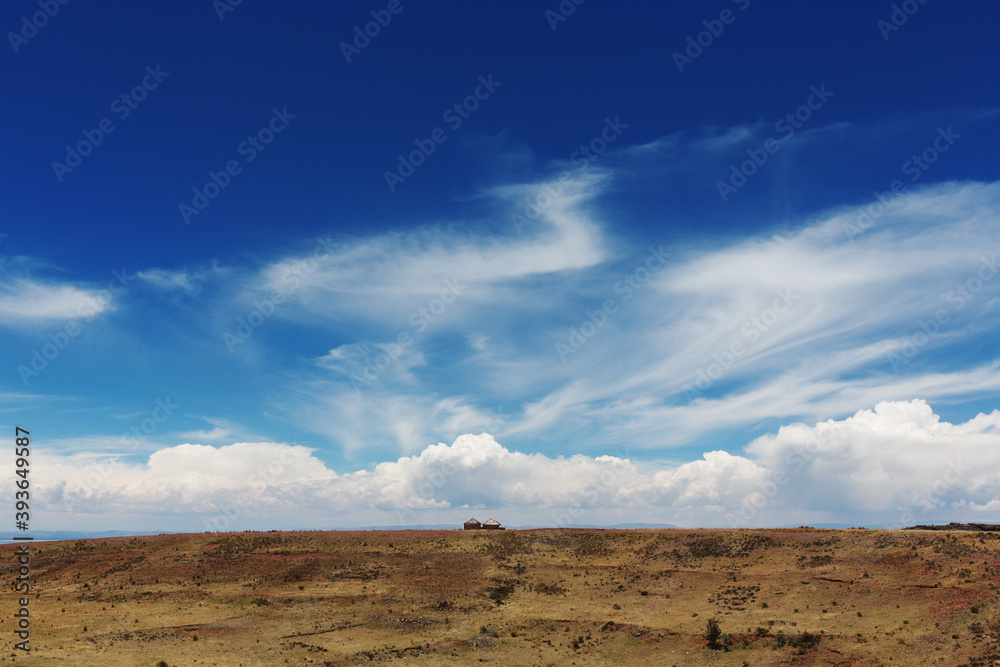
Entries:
{"x":540,"y":597}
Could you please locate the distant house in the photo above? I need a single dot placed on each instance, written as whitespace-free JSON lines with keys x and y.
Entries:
{"x":489,"y":524}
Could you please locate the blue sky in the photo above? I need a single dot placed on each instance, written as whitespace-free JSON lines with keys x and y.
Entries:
{"x":260,"y":269}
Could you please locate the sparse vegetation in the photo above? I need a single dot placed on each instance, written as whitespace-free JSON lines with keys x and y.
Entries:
{"x":522,"y":597}
{"x":713,"y":633}
{"x":501,"y":589}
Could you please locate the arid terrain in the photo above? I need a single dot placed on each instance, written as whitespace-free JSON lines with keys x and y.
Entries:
{"x":538,"y":597}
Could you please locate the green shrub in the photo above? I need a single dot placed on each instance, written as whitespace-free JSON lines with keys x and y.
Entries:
{"x":713,"y":633}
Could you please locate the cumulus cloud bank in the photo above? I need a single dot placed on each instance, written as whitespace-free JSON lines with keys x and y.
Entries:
{"x":899,"y":457}
{"x":896,"y":464}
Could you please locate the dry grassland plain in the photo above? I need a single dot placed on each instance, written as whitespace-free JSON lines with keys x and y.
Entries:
{"x":536,"y":597}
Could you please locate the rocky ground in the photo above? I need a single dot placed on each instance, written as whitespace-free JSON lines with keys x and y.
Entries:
{"x":538,"y":597}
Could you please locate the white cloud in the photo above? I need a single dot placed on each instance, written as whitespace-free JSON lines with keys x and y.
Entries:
{"x":896,"y":463}
{"x":24,"y":300}
{"x":367,"y":362}
{"x":215,"y":434}
{"x":825,"y":316}
{"x":899,"y":457}
{"x":388,"y":278}
{"x":808,"y":323}
{"x":270,"y":479}
{"x":164,"y":279}
{"x":376,"y":419}
{"x":185,"y":478}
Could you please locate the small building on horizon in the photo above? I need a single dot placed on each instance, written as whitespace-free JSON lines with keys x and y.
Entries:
{"x":489,"y":524}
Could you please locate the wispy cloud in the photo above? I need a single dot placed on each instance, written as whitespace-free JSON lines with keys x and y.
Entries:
{"x":808,"y":320}
{"x":164,"y":279}
{"x":430,"y":333}
{"x":384,"y":278}
{"x":26,"y":300}
{"x":801,"y":323}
